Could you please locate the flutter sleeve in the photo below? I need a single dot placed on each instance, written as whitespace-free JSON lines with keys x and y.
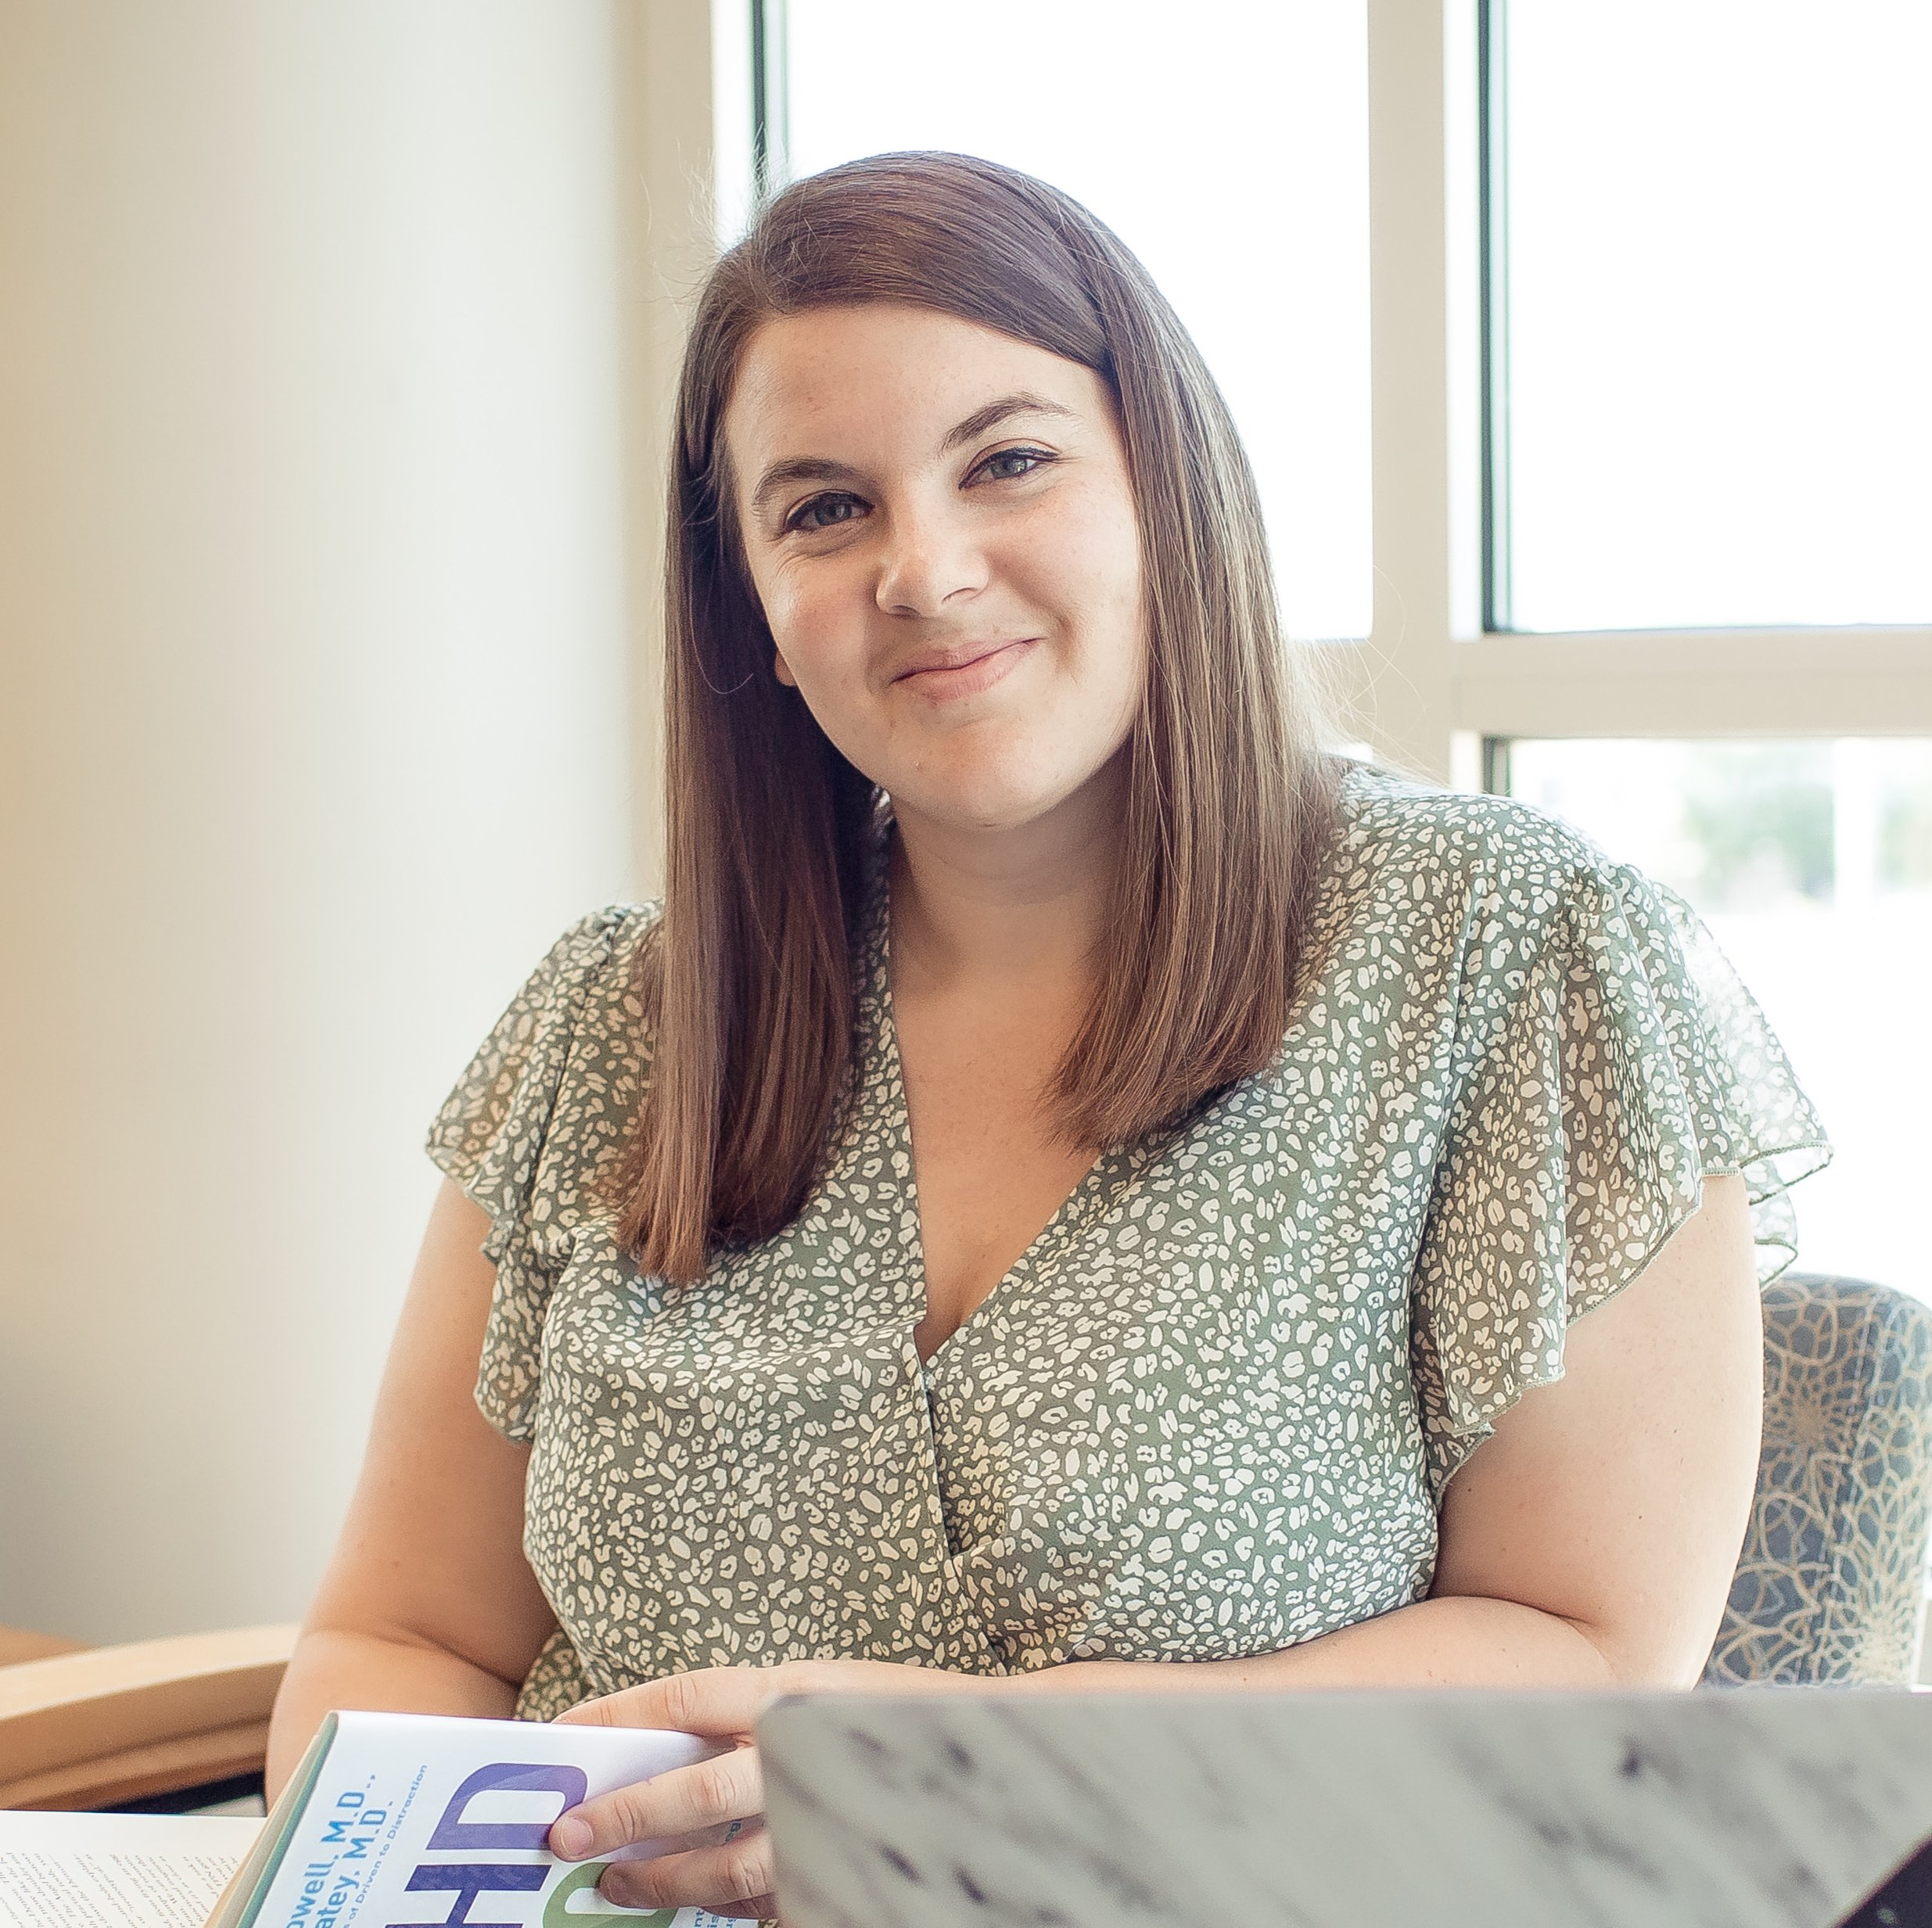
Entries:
{"x":532,"y":1126}
{"x":1612,"y":1060}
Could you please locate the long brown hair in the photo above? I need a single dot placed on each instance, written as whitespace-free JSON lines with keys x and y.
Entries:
{"x":749,"y":982}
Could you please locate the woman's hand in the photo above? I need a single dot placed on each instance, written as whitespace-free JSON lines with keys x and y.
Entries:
{"x":733,"y":1874}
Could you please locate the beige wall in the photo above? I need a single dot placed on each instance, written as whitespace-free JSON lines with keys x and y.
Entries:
{"x":329,"y":331}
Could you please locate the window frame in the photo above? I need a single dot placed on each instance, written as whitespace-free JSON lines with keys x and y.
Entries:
{"x":1435,"y":681}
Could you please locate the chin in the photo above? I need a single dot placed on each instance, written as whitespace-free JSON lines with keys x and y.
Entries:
{"x":986,"y":801}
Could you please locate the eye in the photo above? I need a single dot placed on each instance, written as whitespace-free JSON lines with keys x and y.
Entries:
{"x":1008,"y":465}
{"x":825,"y":512}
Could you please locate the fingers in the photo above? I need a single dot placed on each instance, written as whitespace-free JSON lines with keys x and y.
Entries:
{"x":733,"y":1877}
{"x":720,"y":1700}
{"x":713,"y":1700}
{"x":729,"y":1787}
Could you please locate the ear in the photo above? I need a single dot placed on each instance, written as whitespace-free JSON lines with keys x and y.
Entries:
{"x":782,"y":670}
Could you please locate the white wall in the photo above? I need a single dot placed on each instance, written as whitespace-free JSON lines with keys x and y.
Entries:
{"x":323,"y":564}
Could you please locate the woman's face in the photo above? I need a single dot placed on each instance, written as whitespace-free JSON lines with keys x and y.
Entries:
{"x":940,"y":528}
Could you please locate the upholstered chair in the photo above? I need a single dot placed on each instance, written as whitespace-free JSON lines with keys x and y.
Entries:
{"x":1831,"y":1586}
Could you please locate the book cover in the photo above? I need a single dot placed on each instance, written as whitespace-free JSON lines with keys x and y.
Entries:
{"x":422,"y":1821}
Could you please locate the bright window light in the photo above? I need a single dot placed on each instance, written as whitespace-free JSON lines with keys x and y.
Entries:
{"x":1717,"y":217}
{"x":1226,"y":145}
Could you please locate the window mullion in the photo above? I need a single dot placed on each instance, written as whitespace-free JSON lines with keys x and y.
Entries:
{"x":1400,"y":681}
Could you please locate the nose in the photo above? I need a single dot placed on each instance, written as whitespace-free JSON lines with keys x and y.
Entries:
{"x":929,"y":560}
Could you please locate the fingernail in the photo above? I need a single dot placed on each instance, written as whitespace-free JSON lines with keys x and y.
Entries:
{"x":570,"y":1838}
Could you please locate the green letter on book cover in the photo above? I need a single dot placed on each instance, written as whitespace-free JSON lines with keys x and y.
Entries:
{"x":558,"y":1913}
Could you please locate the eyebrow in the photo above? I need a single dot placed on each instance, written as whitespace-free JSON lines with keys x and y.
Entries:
{"x":817,"y":469}
{"x":1021,"y":402}
{"x":800,"y":468}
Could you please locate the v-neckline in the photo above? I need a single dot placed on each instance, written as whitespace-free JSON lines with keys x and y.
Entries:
{"x":891,"y":1072}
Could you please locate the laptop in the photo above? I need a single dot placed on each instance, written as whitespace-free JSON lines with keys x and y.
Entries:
{"x":1797,"y":1808}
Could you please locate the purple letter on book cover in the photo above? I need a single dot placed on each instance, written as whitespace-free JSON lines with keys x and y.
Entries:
{"x":474,"y":1836}
{"x":469,"y":1881}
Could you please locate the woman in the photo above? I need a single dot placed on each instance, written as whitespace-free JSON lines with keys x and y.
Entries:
{"x":1093,"y":1207}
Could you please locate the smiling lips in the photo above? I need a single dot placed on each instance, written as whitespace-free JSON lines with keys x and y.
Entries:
{"x":941,"y":675}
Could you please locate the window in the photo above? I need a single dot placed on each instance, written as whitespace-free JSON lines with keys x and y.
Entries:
{"x":1228,"y":148}
{"x":1706,"y":268}
{"x":1711,"y":304}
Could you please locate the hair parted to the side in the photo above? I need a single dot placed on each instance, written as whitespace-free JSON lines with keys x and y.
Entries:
{"x":748,"y":984}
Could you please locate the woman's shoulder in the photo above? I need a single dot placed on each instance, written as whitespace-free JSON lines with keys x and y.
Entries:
{"x":583,"y":992}
{"x":1398,"y":829}
{"x":586,"y":993}
{"x":586,"y":976}
{"x":1457,"y":884}
{"x":568,"y":1049}
{"x":590,"y":946}
{"x":595,"y":957}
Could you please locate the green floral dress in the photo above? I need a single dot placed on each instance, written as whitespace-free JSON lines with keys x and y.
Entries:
{"x":1212,"y":1409}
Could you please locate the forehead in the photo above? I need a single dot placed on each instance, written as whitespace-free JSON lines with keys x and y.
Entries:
{"x":835,"y":375}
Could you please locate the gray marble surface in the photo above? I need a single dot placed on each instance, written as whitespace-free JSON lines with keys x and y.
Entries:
{"x":1774,"y":1808}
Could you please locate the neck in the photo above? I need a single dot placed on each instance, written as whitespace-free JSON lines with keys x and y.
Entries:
{"x":975,"y":906}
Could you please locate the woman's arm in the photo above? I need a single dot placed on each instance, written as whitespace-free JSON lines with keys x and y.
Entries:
{"x":1615,"y":1502}
{"x":428,"y":1606}
{"x":1589,"y":1543}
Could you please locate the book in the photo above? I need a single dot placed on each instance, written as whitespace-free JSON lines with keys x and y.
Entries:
{"x":425,"y":1821}
{"x":117,"y":1870}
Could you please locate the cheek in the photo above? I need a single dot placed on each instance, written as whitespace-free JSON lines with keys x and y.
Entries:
{"x":810,"y":617}
{"x":778,"y":596}
{"x":1090,"y":562}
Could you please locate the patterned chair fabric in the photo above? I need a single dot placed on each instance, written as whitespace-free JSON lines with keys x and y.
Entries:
{"x":1831,"y":1587}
